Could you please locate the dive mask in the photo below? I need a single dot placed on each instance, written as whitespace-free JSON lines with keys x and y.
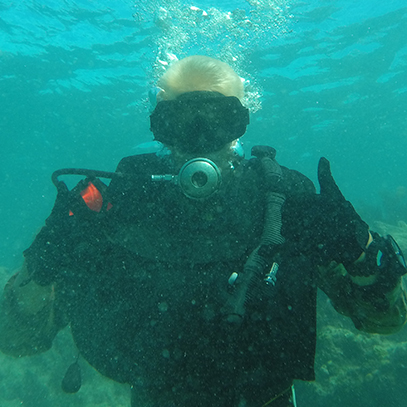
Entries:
{"x":198,"y":122}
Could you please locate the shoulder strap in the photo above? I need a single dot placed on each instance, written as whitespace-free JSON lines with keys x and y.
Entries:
{"x":135,"y":172}
{"x":255,"y":266}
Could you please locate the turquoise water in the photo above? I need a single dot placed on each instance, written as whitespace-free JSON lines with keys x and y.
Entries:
{"x":324,"y":78}
{"x":329,"y":76}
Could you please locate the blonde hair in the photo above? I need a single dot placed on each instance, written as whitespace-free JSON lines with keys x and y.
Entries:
{"x":200,"y":73}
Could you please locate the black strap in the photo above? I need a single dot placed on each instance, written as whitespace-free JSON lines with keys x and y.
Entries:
{"x":82,"y":171}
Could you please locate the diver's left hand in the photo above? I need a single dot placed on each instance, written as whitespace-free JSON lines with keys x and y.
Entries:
{"x":325,"y":225}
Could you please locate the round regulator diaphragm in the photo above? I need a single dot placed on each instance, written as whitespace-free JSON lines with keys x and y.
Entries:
{"x":199,"y":178}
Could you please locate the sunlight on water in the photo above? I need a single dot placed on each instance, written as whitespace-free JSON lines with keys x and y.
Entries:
{"x":229,"y":35}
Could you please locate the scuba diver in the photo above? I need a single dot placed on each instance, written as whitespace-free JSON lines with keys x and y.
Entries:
{"x":192,"y":276}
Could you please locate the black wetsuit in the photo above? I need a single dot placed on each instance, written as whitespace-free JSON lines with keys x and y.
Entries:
{"x":144,"y":283}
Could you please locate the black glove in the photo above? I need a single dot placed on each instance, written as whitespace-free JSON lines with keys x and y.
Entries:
{"x":325,"y":226}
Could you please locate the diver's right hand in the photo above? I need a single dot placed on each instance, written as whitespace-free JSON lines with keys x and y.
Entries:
{"x":27,"y":316}
{"x":28,"y":297}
